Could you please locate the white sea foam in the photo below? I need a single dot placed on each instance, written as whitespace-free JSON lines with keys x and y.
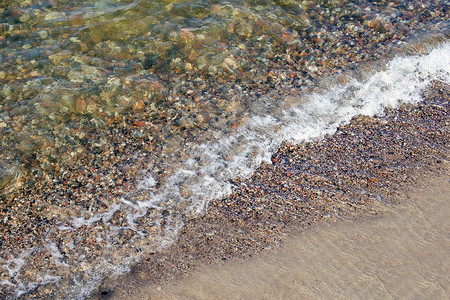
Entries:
{"x":13,"y":265}
{"x":147,"y":183}
{"x":237,"y":155}
{"x":78,"y":222}
{"x":57,"y":255}
{"x":205,"y":176}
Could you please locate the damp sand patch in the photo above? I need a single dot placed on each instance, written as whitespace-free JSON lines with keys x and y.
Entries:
{"x":401,"y":253}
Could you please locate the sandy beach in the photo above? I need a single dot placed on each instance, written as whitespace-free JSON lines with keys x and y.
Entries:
{"x":400,"y":254}
{"x":360,"y":213}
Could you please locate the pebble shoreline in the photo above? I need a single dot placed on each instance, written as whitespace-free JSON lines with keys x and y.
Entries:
{"x":111,"y":162}
{"x":363,"y":167}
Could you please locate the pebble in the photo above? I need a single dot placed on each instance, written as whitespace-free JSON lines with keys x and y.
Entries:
{"x":53,"y":16}
{"x":24,"y":18}
{"x":43,"y":34}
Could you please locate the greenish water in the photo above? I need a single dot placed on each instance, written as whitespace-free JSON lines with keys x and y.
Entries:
{"x":71,"y":68}
{"x":72,"y":71}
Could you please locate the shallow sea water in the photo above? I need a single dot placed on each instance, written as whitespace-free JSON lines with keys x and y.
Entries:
{"x":120,"y":119}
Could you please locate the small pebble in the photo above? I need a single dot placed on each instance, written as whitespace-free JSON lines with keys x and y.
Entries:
{"x":43,"y":34}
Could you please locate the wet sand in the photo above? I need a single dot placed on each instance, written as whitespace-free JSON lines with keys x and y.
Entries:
{"x":345,"y":209}
{"x":402,"y":254}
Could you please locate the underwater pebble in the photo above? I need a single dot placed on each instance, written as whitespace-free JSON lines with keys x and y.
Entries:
{"x":43,"y":34}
